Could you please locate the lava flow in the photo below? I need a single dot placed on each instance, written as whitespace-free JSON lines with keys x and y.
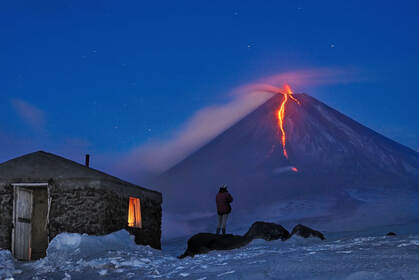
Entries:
{"x":287,"y":92}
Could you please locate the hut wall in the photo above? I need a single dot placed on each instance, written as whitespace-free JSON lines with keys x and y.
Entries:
{"x":6,"y":215}
{"x":79,"y":210}
{"x":96,"y":209}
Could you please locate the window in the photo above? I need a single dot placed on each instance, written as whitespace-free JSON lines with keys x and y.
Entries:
{"x":134,"y":213}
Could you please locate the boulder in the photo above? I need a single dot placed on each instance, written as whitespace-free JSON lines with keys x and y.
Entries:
{"x":267,"y":231}
{"x":306,"y":232}
{"x":202,"y":243}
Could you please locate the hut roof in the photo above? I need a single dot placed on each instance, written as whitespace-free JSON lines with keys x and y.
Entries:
{"x":43,"y":165}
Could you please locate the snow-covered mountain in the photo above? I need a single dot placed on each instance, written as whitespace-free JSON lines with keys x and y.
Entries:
{"x":339,"y":161}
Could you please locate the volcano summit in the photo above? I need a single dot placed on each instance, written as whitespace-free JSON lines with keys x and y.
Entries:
{"x":327,"y":155}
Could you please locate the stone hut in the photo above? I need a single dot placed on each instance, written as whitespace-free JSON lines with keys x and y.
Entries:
{"x":42,"y":195}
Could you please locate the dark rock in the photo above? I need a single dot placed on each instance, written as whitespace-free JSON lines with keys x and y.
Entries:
{"x":202,"y":243}
{"x":267,"y":231}
{"x":306,"y":232}
{"x":391,"y":234}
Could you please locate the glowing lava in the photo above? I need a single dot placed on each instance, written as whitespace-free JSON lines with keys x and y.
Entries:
{"x":287,"y":92}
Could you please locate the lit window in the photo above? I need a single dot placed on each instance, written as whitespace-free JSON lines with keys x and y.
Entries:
{"x":134,"y":213}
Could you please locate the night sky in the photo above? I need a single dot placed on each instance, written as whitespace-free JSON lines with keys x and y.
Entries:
{"x":106,"y":77}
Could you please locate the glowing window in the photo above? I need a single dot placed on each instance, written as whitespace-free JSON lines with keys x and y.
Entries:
{"x":134,"y":213}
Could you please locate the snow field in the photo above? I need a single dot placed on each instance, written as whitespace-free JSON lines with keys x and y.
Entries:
{"x":115,"y":256}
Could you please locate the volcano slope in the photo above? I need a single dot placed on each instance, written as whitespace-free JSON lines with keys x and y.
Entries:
{"x":329,"y":155}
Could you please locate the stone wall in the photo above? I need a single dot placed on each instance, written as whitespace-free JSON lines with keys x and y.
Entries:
{"x":88,"y":207}
{"x":101,"y":211}
{"x":6,"y":215}
{"x":79,"y":210}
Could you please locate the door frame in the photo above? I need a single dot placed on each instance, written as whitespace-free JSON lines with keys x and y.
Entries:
{"x":24,"y":185}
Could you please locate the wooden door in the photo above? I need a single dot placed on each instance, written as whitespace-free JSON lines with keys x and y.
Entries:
{"x":23,"y":227}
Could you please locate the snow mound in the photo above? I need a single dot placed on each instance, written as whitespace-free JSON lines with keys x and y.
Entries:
{"x":81,"y":254}
{"x":7,"y":265}
{"x":66,"y":245}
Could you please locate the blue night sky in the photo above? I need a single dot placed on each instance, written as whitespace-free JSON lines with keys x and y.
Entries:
{"x":105,"y":77}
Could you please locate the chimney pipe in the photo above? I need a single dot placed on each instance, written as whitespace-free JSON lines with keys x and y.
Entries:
{"x":87,"y":160}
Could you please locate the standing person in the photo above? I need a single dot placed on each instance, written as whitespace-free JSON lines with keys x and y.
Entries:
{"x":223,"y":200}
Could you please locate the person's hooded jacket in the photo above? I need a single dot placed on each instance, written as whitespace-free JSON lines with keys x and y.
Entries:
{"x":223,"y":200}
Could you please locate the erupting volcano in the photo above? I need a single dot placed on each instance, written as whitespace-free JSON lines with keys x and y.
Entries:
{"x":337,"y":158}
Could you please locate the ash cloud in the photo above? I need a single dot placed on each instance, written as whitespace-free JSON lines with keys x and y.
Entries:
{"x":30,"y":114}
{"x":204,"y":125}
{"x":305,"y":79}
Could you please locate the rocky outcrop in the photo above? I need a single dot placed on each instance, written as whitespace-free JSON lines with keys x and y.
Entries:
{"x":267,"y":231}
{"x":306,"y":232}
{"x":202,"y":243}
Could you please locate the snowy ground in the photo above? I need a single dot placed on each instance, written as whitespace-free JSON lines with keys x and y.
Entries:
{"x":347,"y":255}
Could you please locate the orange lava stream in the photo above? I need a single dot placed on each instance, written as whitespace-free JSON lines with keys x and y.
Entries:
{"x":287,"y":92}
{"x":281,"y":115}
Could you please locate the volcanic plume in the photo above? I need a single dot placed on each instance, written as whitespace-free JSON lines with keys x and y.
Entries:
{"x":336,"y":157}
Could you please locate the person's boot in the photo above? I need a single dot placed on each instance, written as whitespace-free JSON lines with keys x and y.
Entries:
{"x":218,"y":231}
{"x":224,"y":231}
